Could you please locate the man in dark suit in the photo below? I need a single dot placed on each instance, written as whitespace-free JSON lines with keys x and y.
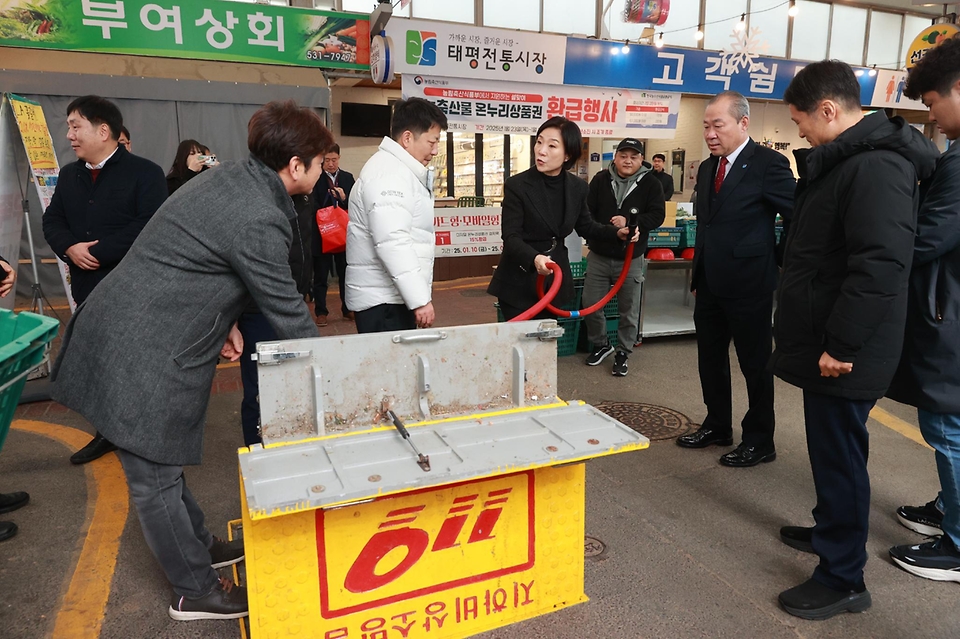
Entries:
{"x":101,"y":203}
{"x":741,"y":188}
{"x":332,"y":188}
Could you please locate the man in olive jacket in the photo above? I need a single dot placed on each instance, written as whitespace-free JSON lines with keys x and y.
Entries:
{"x":139,"y":357}
{"x":841,"y":307}
{"x":929,"y":372}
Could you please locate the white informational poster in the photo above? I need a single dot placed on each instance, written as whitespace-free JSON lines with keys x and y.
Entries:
{"x":11,"y":198}
{"x":476,"y":106}
{"x":466,"y":51}
{"x":467,"y":231}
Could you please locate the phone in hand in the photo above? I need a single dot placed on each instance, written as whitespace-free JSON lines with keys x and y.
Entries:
{"x":209,"y":160}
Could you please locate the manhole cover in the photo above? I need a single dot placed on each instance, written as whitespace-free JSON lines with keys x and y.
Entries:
{"x":653,"y":422}
{"x":474,"y":292}
{"x":593,"y":547}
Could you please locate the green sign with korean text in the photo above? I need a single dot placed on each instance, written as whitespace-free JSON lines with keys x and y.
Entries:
{"x":192,"y":29}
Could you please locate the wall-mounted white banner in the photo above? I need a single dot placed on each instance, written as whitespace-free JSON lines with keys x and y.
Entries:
{"x":467,"y":231}
{"x":462,"y":51}
{"x":519,"y":108}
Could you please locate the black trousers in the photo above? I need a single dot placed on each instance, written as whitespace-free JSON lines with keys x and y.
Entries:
{"x":385,"y":317}
{"x":748,"y":322}
{"x":838,"y":443}
{"x":254,"y":328}
{"x":323,"y":265}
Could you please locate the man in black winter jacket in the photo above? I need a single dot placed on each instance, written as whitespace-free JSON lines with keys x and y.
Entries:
{"x":929,"y":373}
{"x":841,"y":308}
{"x":627,"y":194}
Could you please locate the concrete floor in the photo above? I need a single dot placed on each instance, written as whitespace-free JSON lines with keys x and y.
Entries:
{"x":692,"y":546}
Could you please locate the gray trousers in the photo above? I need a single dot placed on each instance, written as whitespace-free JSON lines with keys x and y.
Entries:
{"x":602,"y":274}
{"x":172,"y":524}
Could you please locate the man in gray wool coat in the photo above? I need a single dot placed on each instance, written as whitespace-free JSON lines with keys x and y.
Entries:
{"x":139,"y":356}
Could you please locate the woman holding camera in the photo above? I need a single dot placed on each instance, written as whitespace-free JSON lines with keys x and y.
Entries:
{"x":192,"y":158}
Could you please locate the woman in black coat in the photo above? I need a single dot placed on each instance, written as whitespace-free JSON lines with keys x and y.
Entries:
{"x":192,"y":158}
{"x":541,"y":207}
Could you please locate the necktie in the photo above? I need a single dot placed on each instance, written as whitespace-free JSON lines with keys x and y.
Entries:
{"x":94,"y":173}
{"x":721,"y":172}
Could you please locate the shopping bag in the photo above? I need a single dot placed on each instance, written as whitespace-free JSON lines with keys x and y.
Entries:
{"x":332,"y":222}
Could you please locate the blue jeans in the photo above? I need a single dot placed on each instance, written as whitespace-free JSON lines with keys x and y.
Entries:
{"x":172,"y":524}
{"x":942,"y":432}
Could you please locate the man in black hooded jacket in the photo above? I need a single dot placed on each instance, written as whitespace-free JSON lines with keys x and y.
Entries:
{"x":929,"y":372}
{"x":841,"y":309}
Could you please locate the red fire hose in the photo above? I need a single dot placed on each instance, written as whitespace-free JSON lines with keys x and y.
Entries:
{"x":545,"y":299}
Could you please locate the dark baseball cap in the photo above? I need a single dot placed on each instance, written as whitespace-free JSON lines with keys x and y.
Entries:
{"x":630,"y":143}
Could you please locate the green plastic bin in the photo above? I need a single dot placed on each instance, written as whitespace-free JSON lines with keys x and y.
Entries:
{"x":688,"y":234}
{"x":24,"y":337}
{"x":664,"y":237}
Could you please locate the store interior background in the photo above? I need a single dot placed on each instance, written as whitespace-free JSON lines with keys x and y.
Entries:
{"x":861,"y":34}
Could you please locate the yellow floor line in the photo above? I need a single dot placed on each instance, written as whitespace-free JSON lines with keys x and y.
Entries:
{"x":81,"y":613}
{"x":894,"y":423}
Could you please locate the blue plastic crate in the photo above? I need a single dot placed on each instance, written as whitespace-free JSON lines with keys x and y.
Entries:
{"x":23,"y":336}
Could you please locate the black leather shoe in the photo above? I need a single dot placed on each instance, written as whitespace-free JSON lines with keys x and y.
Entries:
{"x":705,"y":436}
{"x":798,"y":537}
{"x":7,"y":530}
{"x":813,"y":600}
{"x":9,"y":502}
{"x":97,"y":448}
{"x":744,"y":456}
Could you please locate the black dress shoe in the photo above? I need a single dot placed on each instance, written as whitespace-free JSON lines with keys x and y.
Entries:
{"x":7,"y":530}
{"x":9,"y":502}
{"x":798,"y":537}
{"x":705,"y":436}
{"x":813,"y":600}
{"x":97,"y":448}
{"x":744,"y":456}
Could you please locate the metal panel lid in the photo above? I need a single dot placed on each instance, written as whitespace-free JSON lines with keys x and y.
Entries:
{"x":341,"y":469}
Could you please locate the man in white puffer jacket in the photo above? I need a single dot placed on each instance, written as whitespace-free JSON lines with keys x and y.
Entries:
{"x":390,"y":241}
